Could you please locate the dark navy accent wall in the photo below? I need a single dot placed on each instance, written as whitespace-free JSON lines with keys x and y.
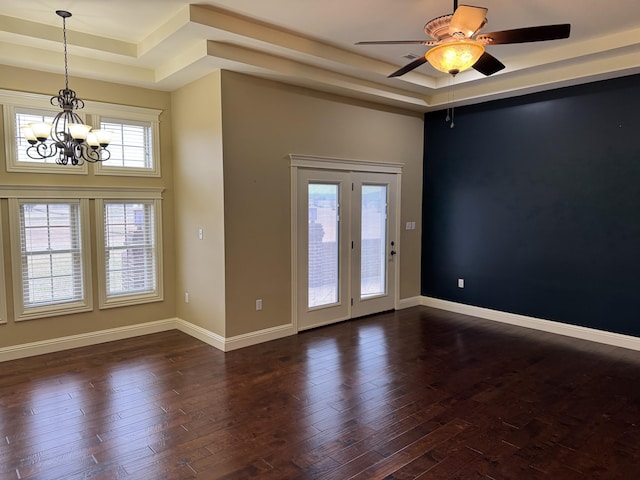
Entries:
{"x":535,"y":202}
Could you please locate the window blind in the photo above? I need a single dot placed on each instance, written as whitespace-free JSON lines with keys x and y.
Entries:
{"x":131,"y":143}
{"x":51,"y":253}
{"x":130,"y":248}
{"x":23,"y":117}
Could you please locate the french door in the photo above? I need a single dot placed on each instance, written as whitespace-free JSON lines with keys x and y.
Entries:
{"x":346,"y":245}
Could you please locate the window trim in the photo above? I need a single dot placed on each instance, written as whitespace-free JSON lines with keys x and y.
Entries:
{"x":21,"y":312}
{"x":10,"y":135}
{"x":104,"y":301}
{"x":104,"y":169}
{"x":48,"y":192}
{"x":3,"y":290}
{"x":85,"y":193}
{"x":91,"y":113}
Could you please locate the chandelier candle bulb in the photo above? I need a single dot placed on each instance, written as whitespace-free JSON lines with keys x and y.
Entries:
{"x":27,"y":132}
{"x":41,"y":130}
{"x":78,"y":131}
{"x":103,"y":137}
{"x":92,"y":140}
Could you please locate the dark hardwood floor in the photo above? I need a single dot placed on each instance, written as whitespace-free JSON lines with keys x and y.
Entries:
{"x":418,"y":393}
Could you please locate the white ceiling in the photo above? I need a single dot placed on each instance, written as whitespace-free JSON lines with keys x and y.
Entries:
{"x":163,"y":44}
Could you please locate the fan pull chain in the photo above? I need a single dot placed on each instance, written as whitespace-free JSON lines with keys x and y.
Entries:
{"x":448,"y":118}
{"x":450,"y":110}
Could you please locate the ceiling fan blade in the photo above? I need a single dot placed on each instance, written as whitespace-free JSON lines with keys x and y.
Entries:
{"x":398,"y":42}
{"x":487,"y":64}
{"x":410,"y":66}
{"x":528,"y":34}
{"x":467,"y":20}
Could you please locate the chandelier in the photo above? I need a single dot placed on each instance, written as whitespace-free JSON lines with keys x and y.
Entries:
{"x":71,"y":140}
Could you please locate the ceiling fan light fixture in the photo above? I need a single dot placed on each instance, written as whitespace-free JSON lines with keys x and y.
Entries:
{"x":456,"y":56}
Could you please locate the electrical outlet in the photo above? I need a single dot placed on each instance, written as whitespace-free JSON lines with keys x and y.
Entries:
{"x":461,"y":283}
{"x":259,"y":304}
{"x":200,"y":233}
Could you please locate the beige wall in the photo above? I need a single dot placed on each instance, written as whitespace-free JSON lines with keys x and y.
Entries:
{"x":16,"y":333}
{"x":197,"y":141}
{"x":264,"y":122}
{"x":225,"y":145}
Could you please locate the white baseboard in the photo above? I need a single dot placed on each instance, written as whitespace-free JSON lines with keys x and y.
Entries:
{"x":409,"y":302}
{"x":239,"y":341}
{"x":201,"y":334}
{"x":584,"y":333}
{"x":83,"y":340}
{"x":31,"y":349}
{"x":253,"y":338}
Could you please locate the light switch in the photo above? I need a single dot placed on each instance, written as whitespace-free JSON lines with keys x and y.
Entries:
{"x":200,"y":234}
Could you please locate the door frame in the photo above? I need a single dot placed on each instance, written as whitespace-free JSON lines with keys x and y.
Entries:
{"x":298,"y":162}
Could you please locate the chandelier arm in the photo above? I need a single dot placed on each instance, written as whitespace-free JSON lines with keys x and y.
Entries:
{"x":88,"y":153}
{"x":104,"y":154}
{"x":42,"y":150}
{"x":59,"y":126}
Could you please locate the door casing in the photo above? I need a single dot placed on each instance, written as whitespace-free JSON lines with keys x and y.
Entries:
{"x":301,"y":163}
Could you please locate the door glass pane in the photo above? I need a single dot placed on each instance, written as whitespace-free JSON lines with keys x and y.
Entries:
{"x":373,"y":262}
{"x":323,"y":244}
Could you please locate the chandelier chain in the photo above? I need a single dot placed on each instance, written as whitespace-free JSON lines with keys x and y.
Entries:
{"x":66,"y":66}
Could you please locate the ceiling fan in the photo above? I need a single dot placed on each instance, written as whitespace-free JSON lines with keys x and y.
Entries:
{"x":458,"y":44}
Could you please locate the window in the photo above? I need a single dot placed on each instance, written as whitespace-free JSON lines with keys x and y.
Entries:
{"x":50,"y":250}
{"x":51,"y":254}
{"x":16,"y":145}
{"x":23,"y":117}
{"x":130,"y":259}
{"x":133,"y":148}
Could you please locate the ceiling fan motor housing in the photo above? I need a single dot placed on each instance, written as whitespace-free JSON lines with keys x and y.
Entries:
{"x":438,"y":28}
